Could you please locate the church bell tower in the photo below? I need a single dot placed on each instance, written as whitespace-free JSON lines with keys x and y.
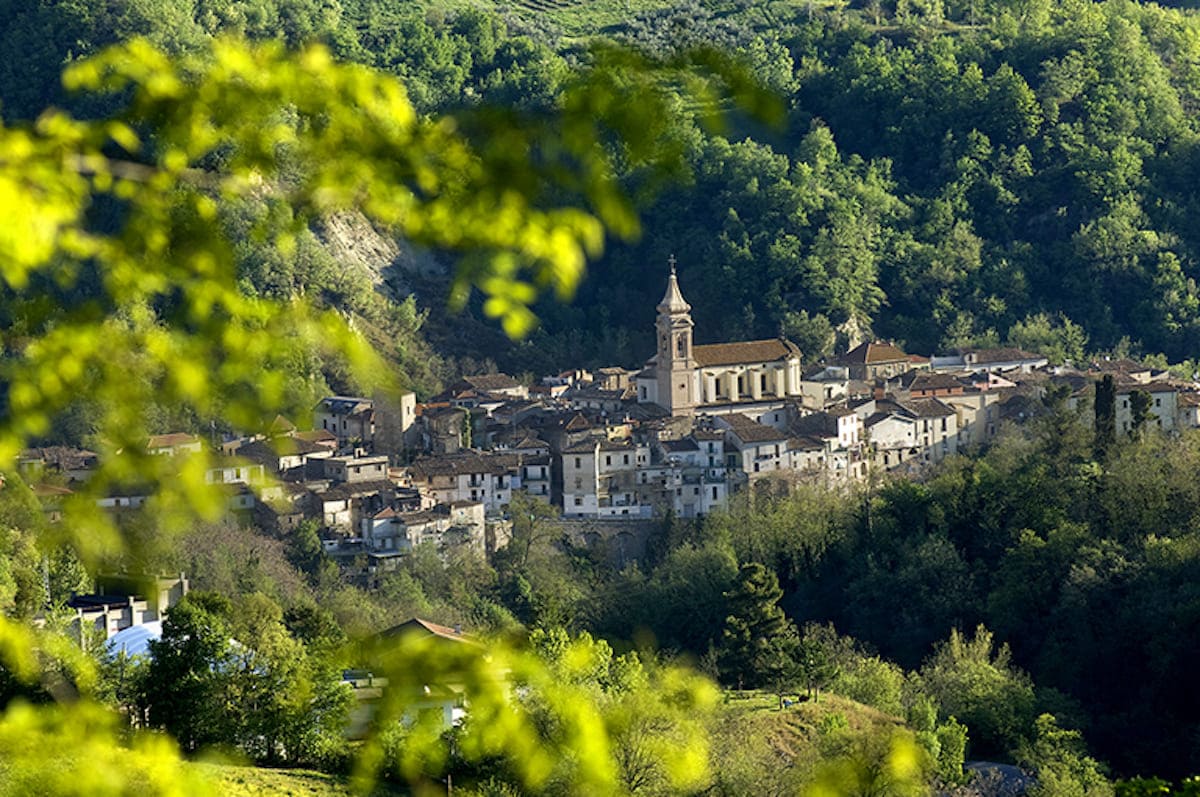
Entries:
{"x":674,"y":365}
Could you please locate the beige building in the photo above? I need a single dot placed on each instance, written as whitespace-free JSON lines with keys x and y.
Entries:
{"x":685,"y":379}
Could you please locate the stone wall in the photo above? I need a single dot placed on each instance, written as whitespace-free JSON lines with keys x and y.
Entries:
{"x":624,"y":541}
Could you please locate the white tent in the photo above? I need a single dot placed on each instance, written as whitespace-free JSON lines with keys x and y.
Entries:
{"x":135,"y":640}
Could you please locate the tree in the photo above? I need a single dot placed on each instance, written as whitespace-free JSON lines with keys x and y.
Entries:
{"x":1060,"y":762}
{"x":533,"y":526}
{"x":758,"y":640}
{"x":1141,"y":405}
{"x":1106,"y":415}
{"x":190,"y":666}
{"x":974,"y":681}
{"x":816,"y":658}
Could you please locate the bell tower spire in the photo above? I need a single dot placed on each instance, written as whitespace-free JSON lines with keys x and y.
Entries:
{"x":674,"y":364}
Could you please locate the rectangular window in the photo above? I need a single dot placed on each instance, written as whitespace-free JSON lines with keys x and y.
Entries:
{"x":578,"y":501}
{"x":607,"y":460}
{"x":578,"y":462}
{"x":714,"y":493}
{"x":626,"y":459}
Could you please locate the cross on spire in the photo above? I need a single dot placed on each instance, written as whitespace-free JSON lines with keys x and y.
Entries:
{"x":671,"y":260}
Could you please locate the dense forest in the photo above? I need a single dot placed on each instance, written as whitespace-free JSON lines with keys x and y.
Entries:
{"x":943,"y":174}
{"x":947,"y":174}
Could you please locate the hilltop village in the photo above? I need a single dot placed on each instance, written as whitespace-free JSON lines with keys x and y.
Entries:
{"x":696,"y":425}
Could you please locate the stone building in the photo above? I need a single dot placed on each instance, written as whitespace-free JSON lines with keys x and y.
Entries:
{"x":686,"y":379}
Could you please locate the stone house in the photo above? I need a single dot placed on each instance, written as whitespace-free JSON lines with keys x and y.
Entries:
{"x":349,"y":418}
{"x":875,"y":360}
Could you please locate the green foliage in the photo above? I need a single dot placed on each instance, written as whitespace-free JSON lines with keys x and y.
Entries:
{"x":1106,"y":415}
{"x":952,"y":749}
{"x":1062,"y":767}
{"x":583,"y":721}
{"x":85,"y":757}
{"x":975,"y":682}
{"x":1061,"y":340}
{"x":237,"y":678}
{"x":759,"y":643}
{"x":189,"y":671}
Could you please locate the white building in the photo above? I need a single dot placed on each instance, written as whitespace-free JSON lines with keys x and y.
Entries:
{"x":600,"y":480}
{"x":684,"y":378}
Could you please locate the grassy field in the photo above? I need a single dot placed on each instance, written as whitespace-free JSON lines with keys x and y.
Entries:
{"x":753,"y":729}
{"x":245,"y":781}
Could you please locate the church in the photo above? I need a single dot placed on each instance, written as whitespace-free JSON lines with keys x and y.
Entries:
{"x":720,"y":378}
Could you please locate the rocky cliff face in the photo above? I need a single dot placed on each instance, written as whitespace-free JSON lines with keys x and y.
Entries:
{"x":389,"y":264}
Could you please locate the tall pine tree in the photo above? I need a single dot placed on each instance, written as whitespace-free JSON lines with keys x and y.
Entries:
{"x":759,"y":641}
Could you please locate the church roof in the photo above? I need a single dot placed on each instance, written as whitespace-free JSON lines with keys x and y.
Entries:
{"x":672,"y":301}
{"x":750,"y":351}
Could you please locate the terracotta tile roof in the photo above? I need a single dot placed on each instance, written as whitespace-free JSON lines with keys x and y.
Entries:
{"x":880,"y":417}
{"x":1122,"y":366}
{"x":491,"y":382}
{"x":578,"y":423}
{"x":806,"y":443}
{"x":281,"y":425}
{"x":468,"y":462}
{"x":1146,"y":387}
{"x":419,"y":626}
{"x":935,"y":381}
{"x":317,"y":436}
{"x":617,"y":445}
{"x":873,"y":353}
{"x":171,"y":440}
{"x":1005,"y":355}
{"x":749,"y":351}
{"x":927,"y":408}
{"x":61,"y":457}
{"x":817,"y":424}
{"x":749,"y":431}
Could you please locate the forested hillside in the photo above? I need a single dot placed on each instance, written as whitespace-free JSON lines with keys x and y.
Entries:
{"x":946,"y":174}
{"x":942,"y":174}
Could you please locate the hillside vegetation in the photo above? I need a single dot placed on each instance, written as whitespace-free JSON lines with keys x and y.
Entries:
{"x":948,"y":173}
{"x":944,"y":174}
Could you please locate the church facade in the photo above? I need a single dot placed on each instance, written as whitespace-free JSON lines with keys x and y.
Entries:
{"x":686,"y":379}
